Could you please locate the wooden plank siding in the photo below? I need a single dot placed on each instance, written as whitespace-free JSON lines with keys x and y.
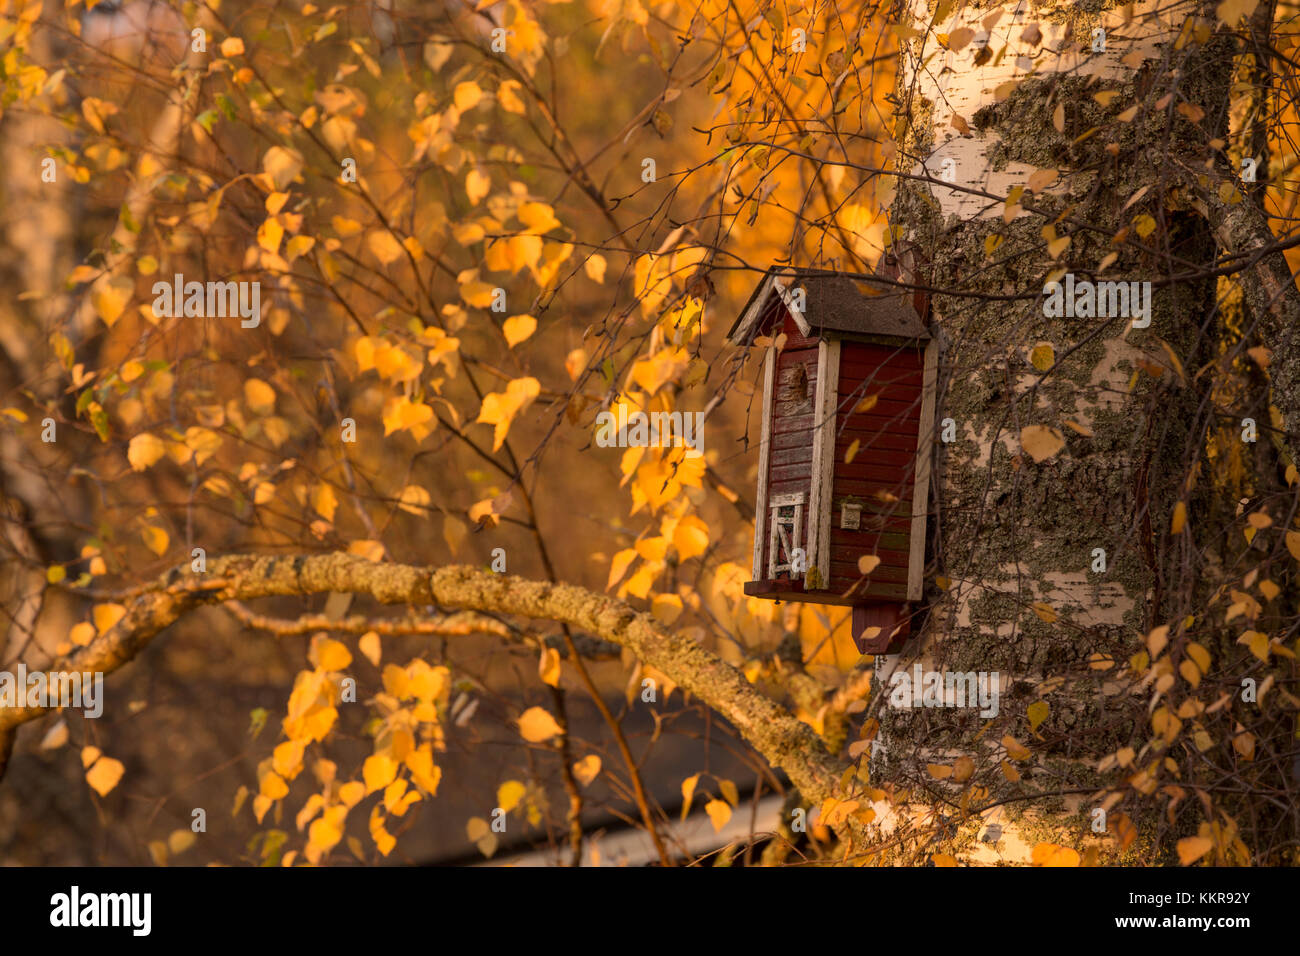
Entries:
{"x":788,"y":419}
{"x":882,"y":475}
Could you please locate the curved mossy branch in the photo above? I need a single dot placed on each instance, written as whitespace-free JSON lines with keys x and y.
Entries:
{"x":780,"y":738}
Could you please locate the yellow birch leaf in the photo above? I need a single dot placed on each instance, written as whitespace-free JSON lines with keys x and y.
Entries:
{"x":1037,"y":713}
{"x":487,"y":513}
{"x":688,"y":793}
{"x":509,"y":794}
{"x":181,"y":840}
{"x":110,"y":299}
{"x":144,"y":451}
{"x":538,"y":217}
{"x":466,"y":95}
{"x":324,"y":501}
{"x":401,"y":413}
{"x":155,"y":539}
{"x":1179,"y":521}
{"x":1050,"y":854}
{"x":548,"y":666}
{"x":501,"y":408}
{"x":477,"y":185}
{"x":690,"y":537}
{"x":298,"y":246}
{"x":414,"y":500}
{"x":330,"y":655}
{"x":509,"y":99}
{"x":1244,"y":744}
{"x":106,"y":615}
{"x":1293,"y":544}
{"x":269,"y":234}
{"x":481,"y":834}
{"x":1191,"y":849}
{"x":104,"y":775}
{"x":384,"y":247}
{"x":423,"y":770}
{"x":1039,"y":180}
{"x":518,"y":328}
{"x":282,"y":165}
{"x":719,"y":812}
{"x":1041,"y":442}
{"x":1258,"y":643}
{"x":586,"y":769}
{"x":378,"y":772}
{"x":55,"y":737}
{"x":325,"y":832}
{"x":315,"y":803}
{"x":259,"y":396}
{"x":370,"y":646}
{"x":286,"y":759}
{"x":536,"y":725}
{"x":272,"y":786}
{"x":260,"y":805}
{"x":1015,"y":749}
{"x":366,"y":548}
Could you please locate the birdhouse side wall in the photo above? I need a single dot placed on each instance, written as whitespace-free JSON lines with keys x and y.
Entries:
{"x":788,"y":416}
{"x":880,"y":479}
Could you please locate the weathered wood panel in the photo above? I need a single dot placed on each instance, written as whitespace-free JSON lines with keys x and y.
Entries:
{"x":883,"y":465}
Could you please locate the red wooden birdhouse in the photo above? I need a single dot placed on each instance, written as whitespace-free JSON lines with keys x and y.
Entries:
{"x":844,"y":458}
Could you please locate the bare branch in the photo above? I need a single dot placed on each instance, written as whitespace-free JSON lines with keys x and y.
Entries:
{"x":1268,"y":285}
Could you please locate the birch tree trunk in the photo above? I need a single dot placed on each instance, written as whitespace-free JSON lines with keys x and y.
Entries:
{"x":1070,"y":439}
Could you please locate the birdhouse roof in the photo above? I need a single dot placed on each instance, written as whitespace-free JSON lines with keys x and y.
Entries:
{"x":833,"y":302}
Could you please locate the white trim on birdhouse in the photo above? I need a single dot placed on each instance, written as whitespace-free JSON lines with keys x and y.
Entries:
{"x":764,"y":456}
{"x":799,"y":319}
{"x":791,"y":535}
{"x":823,"y":464}
{"x":759,"y":303}
{"x":924,"y":455}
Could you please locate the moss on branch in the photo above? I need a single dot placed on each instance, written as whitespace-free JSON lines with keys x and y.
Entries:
{"x":783,"y":740}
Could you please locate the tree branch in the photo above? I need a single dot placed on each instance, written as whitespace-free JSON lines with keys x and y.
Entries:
{"x":1242,"y":230}
{"x":782,"y":740}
